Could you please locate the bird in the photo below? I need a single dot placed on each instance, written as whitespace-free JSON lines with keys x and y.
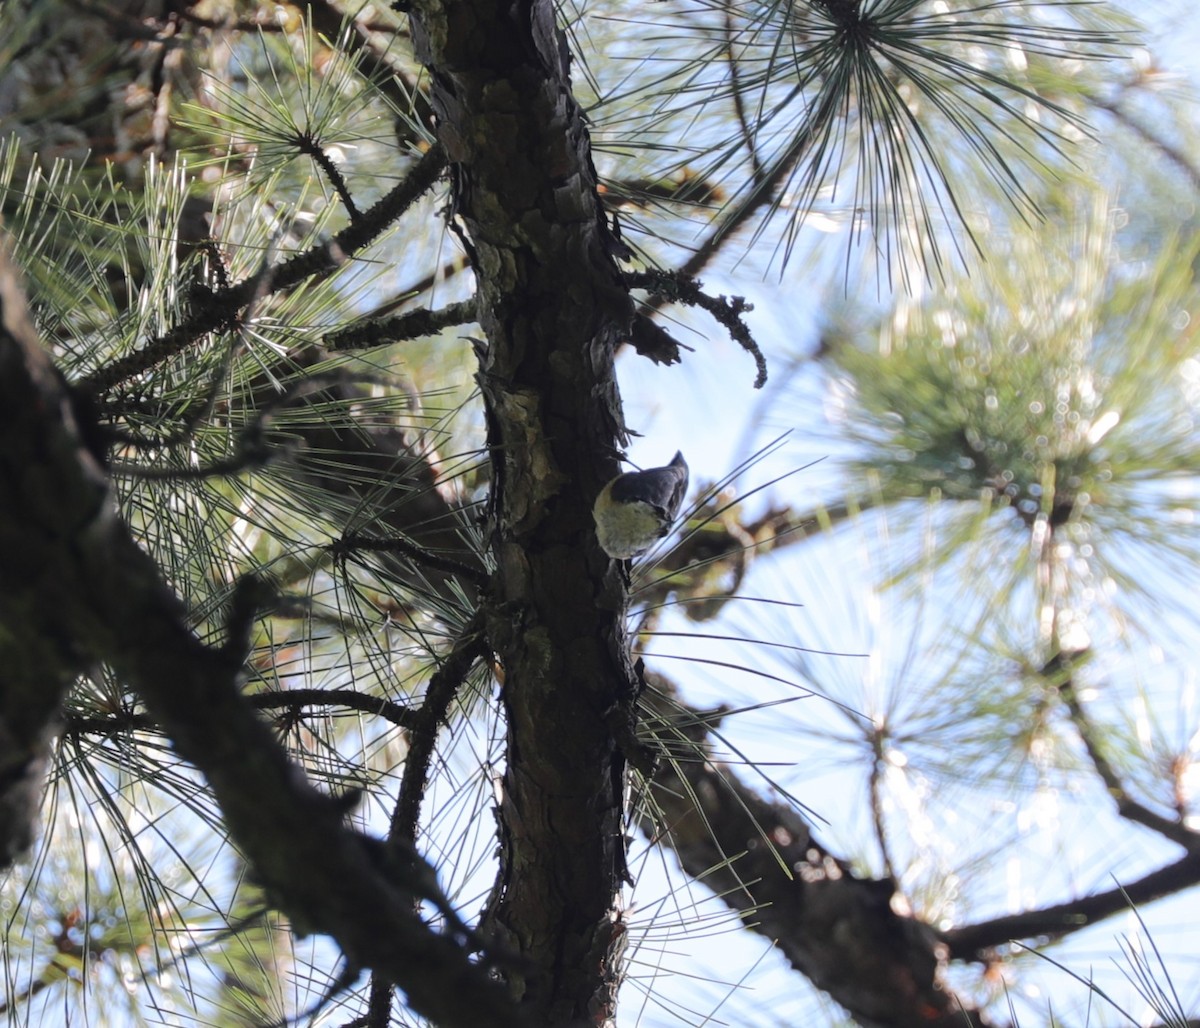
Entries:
{"x":636,"y":509}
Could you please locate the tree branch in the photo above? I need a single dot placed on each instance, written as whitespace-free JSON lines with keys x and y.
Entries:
{"x":1127,"y":806}
{"x":87,"y":592}
{"x":728,"y":311}
{"x":443,"y":687}
{"x":762,"y":859}
{"x":43,"y":518}
{"x":1175,"y":154}
{"x":356,"y":542}
{"x":1058,"y":673}
{"x":221,"y":308}
{"x":397,"y":714}
{"x":977,"y":941}
{"x":288,"y":699}
{"x":412,"y":325}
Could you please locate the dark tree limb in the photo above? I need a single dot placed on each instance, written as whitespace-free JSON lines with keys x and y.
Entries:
{"x":1047,"y":924}
{"x":43,"y":520}
{"x":836,"y":928}
{"x":325,"y":876}
{"x":400,"y":714}
{"x":79,"y":591}
{"x":443,"y":687}
{"x":840,"y":930}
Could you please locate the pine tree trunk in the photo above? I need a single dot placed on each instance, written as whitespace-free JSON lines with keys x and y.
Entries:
{"x":553,"y":309}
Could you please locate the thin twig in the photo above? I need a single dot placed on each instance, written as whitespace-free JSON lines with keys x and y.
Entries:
{"x":1127,"y":806}
{"x":397,"y":713}
{"x":735,"y":80}
{"x":443,"y":686}
{"x":131,"y":720}
{"x":306,"y":143}
{"x":412,"y":325}
{"x":361,"y":543}
{"x":877,"y":735}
